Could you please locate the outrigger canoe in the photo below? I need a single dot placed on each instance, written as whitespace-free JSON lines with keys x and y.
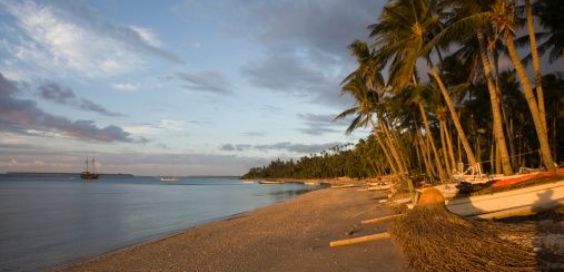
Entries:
{"x":522,"y":201}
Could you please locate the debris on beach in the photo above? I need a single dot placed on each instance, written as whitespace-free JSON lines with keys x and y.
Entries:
{"x":433,"y":239}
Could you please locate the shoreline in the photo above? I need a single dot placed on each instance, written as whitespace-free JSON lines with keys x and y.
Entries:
{"x":162,"y":236}
{"x":248,"y":235}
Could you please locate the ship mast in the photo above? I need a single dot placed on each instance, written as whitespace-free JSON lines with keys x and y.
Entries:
{"x":93,"y":165}
{"x":86,"y":163}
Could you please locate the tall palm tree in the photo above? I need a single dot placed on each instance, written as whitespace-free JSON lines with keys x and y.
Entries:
{"x":487,"y":21}
{"x":536,"y":61}
{"x":504,"y":15}
{"x":401,"y":37}
{"x":364,"y":109}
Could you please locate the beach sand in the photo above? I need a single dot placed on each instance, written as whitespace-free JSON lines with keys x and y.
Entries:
{"x":289,"y":236}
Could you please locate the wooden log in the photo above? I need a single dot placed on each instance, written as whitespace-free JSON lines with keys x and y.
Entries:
{"x":380,"y":220}
{"x":361,"y":239}
{"x":345,"y":186}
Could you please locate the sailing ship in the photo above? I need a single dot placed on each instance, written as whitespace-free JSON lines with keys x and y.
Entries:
{"x":87,"y":175}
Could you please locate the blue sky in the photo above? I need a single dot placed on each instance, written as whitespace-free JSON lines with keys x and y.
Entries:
{"x":173,"y":87}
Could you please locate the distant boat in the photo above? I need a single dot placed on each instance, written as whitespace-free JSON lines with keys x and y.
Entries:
{"x":169,"y":179}
{"x":270,"y":182}
{"x":87,"y":175}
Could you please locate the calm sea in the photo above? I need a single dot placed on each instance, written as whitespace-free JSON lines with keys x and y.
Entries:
{"x":51,"y":220}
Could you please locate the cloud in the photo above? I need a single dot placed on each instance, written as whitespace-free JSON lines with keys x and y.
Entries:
{"x":289,"y":73}
{"x":305,"y":46}
{"x":207,"y":81}
{"x":323,"y":26}
{"x":70,"y":36}
{"x":65,"y":96}
{"x":163,"y":125}
{"x":125,"y":86}
{"x":282,"y":72}
{"x":43,"y":158}
{"x":24,"y":117}
{"x":254,"y":133}
{"x":148,"y":36}
{"x":318,"y":124}
{"x":282,"y":146}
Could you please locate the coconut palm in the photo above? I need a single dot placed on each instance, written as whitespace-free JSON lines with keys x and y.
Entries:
{"x":401,"y":37}
{"x":364,"y":109}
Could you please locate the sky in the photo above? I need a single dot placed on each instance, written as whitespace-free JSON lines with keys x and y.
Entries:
{"x":173,"y":87}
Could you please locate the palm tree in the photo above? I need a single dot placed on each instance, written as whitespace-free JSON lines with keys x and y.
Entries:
{"x":401,"y":36}
{"x":536,"y":60}
{"x":364,"y":109}
{"x":486,"y":20}
{"x":504,"y":16}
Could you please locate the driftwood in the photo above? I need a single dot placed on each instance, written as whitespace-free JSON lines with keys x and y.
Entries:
{"x":361,"y":239}
{"x":344,"y":186}
{"x":381,"y":220}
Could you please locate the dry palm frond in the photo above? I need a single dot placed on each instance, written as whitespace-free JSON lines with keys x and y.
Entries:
{"x":433,"y":239}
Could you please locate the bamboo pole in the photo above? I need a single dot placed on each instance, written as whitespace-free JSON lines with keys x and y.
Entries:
{"x":383,"y":219}
{"x":361,"y":239}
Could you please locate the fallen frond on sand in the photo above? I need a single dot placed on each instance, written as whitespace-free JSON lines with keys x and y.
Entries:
{"x":433,"y":239}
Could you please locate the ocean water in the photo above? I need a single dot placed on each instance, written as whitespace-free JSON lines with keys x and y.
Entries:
{"x":52,"y":220}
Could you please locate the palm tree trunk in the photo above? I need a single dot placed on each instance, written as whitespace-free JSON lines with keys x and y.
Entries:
{"x":492,"y":157}
{"x":429,"y":136}
{"x":383,"y":147}
{"x":394,"y":140}
{"x":418,"y":156}
{"x":531,"y":101}
{"x":503,"y":114}
{"x":444,"y":147}
{"x":450,"y":149}
{"x":497,"y":119}
{"x":454,"y":115}
{"x":536,"y":62}
{"x":393,"y":149}
{"x":425,"y":153}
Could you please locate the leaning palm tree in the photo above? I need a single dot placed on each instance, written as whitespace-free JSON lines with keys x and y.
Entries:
{"x":364,"y":109}
{"x":401,"y":37}
{"x":368,"y":73}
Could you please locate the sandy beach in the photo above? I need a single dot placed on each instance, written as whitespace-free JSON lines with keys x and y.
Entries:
{"x":289,"y":236}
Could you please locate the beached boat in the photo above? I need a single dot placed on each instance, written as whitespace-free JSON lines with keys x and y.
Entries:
{"x":87,"y":175}
{"x":270,"y":182}
{"x":520,"y":201}
{"x":450,"y":190}
{"x":169,"y":179}
{"x":246,"y":181}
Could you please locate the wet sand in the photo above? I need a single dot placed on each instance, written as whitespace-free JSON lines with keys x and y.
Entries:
{"x":290,"y":236}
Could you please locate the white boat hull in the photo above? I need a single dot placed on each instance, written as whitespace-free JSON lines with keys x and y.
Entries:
{"x":534,"y":198}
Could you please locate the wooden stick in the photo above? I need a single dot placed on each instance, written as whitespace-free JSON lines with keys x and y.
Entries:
{"x":344,"y":186}
{"x":361,"y":239}
{"x":379,"y":220}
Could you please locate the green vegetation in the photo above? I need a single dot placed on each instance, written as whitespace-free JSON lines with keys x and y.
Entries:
{"x":442,"y":84}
